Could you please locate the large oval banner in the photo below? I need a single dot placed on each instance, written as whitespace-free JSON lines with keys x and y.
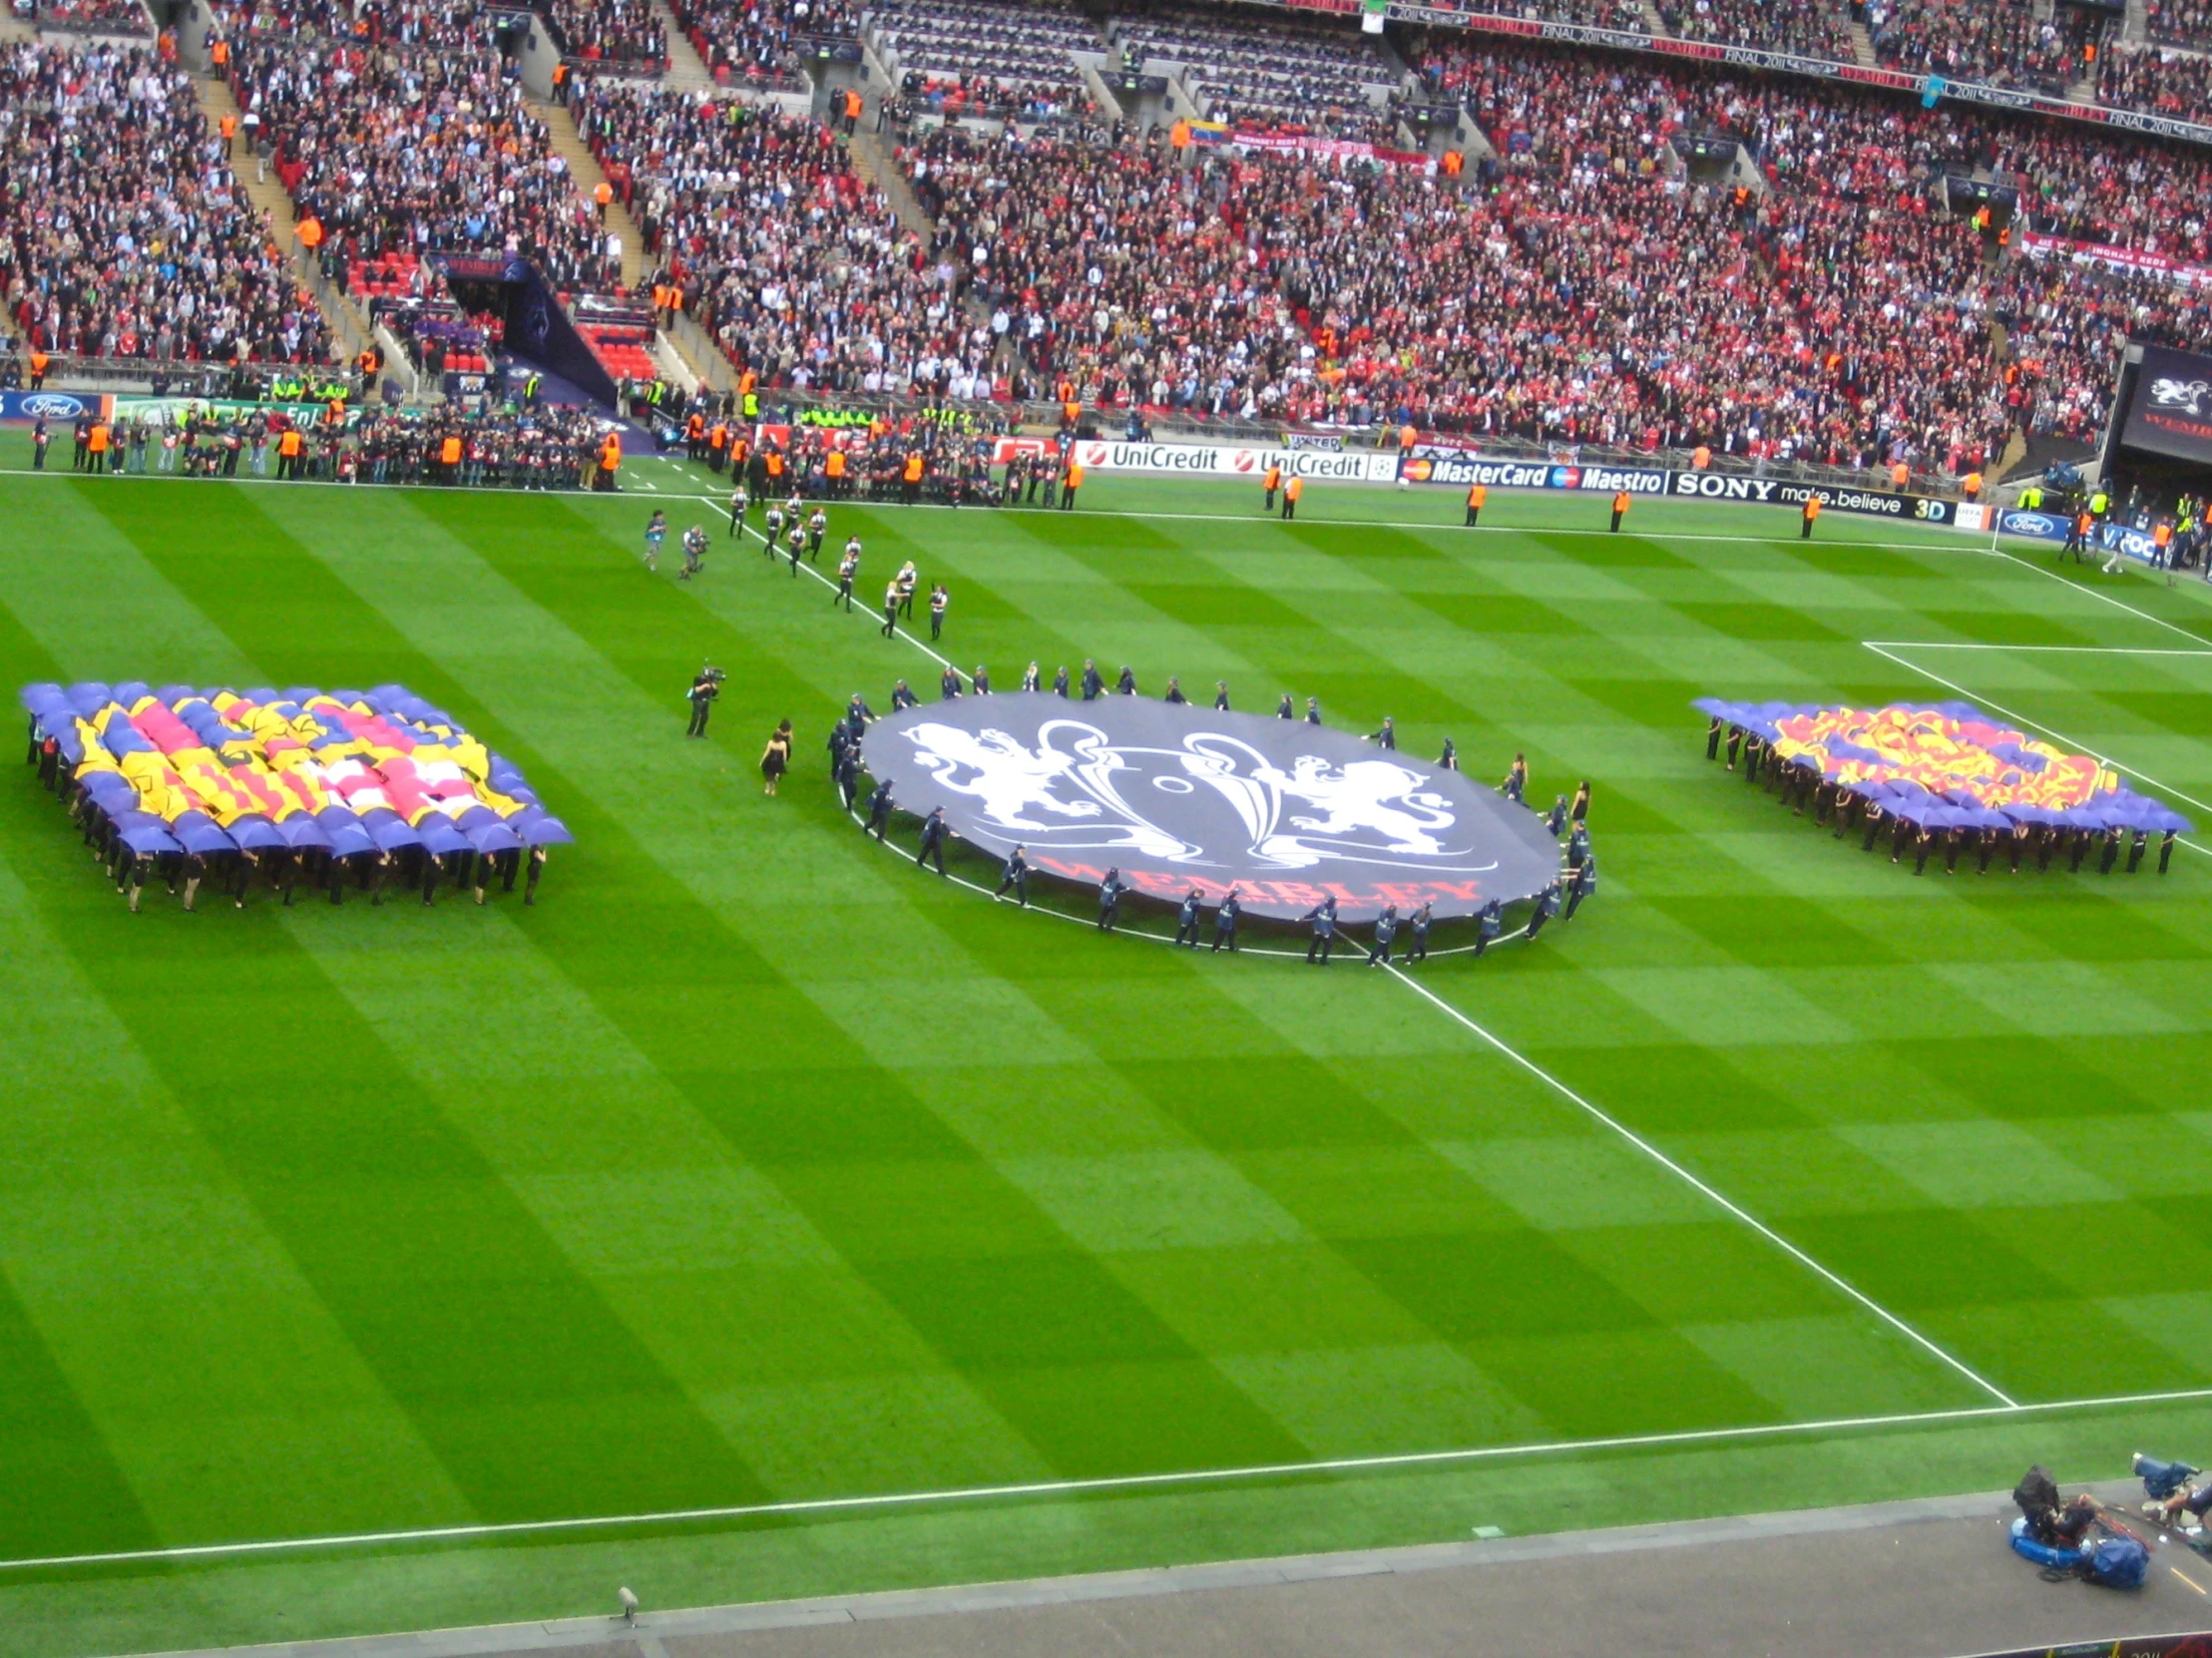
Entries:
{"x":1174,"y":795}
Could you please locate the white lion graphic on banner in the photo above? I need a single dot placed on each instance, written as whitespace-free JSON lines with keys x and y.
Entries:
{"x":2180,"y":394}
{"x":1079,"y":789}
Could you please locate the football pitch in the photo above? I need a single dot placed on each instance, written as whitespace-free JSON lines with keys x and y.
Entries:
{"x":755,"y":1216}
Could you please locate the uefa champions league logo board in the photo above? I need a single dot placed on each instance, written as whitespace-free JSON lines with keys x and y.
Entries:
{"x":1174,"y":795}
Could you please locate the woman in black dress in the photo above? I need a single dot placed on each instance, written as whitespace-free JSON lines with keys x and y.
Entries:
{"x":776,"y":757}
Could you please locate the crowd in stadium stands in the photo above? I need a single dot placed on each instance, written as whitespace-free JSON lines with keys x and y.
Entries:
{"x":1267,"y":73}
{"x":779,"y":249}
{"x":129,"y":236}
{"x":611,"y":32}
{"x":99,"y":17}
{"x":1814,"y":28}
{"x":1624,"y":15}
{"x":2178,"y":84}
{"x":408,"y":143}
{"x":753,"y":41}
{"x":1972,"y":41}
{"x":2182,"y":22}
{"x":962,"y":57}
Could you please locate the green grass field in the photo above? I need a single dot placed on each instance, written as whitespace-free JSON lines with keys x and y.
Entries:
{"x":751,"y":1169}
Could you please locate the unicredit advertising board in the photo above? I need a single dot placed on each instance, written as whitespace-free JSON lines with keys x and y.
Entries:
{"x":1203,"y":459}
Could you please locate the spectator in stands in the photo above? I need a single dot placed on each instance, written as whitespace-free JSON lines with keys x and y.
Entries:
{"x":129,"y":236}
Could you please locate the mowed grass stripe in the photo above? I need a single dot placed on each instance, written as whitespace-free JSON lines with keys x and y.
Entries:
{"x":1811,"y":1141}
{"x":1081,"y":1366}
{"x":66,"y":1491}
{"x":179,"y":1319}
{"x":446,"y":1285}
{"x":1148,"y":559}
{"x":825,"y":1389}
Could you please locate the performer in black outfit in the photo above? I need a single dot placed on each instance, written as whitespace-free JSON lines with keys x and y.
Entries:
{"x":1015,"y":876}
{"x":1417,"y":949}
{"x":1109,"y":900}
{"x":1186,"y":919}
{"x":933,"y":840}
{"x":1386,"y":929}
{"x":1585,"y":883}
{"x":879,"y":811}
{"x":1224,"y":922}
{"x":1323,"y":918}
{"x":1546,"y":907}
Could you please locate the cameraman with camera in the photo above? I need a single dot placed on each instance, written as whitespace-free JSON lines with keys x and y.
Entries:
{"x":705,"y":689}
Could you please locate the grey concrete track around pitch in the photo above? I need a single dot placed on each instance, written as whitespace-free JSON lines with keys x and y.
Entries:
{"x":1930,"y":1578}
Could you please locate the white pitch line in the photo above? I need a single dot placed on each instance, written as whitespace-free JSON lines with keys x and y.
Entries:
{"x":808,"y":569}
{"x":2075,"y":649}
{"x":1955,"y":545}
{"x":2097,"y":594}
{"x":1641,"y":1144}
{"x":2055,"y":735}
{"x":1106,"y":1482}
{"x":1737,"y":1210}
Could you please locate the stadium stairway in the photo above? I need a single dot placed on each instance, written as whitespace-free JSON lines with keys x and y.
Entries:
{"x":686,"y":71}
{"x":1862,"y":45}
{"x":1653,"y":22}
{"x":266,"y":194}
{"x":583,"y":168}
{"x":871,"y":158}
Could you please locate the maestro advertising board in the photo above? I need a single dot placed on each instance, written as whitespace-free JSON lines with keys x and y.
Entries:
{"x":1464,"y":470}
{"x":1174,"y":797}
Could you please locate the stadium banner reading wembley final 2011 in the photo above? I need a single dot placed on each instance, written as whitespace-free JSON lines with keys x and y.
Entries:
{"x":1791,"y":63}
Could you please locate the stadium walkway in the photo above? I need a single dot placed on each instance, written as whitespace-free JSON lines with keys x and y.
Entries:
{"x":1919,"y":1579}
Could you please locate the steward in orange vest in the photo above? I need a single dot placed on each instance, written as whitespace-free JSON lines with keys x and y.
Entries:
{"x":1621,"y":508}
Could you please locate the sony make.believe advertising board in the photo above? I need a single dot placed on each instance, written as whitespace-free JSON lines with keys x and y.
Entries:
{"x":1174,"y":797}
{"x":1732,"y":486}
{"x":2171,"y":411}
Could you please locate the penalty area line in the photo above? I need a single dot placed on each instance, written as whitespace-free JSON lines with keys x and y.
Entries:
{"x":1742,"y":1214}
{"x":2066,"y":649}
{"x":2048,"y":732}
{"x":1102,"y":1484}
